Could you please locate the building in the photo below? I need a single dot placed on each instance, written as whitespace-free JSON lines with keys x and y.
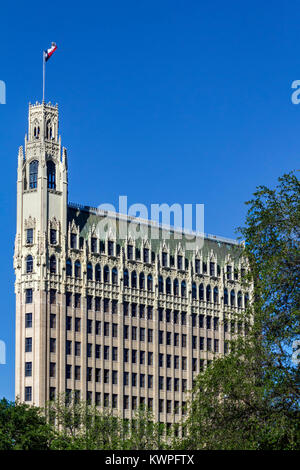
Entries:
{"x":120,"y":322}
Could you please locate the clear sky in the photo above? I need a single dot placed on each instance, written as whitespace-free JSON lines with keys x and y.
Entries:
{"x":163,"y":101}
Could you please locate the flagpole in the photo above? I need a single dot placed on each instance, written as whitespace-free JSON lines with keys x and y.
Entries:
{"x":43,"y":76}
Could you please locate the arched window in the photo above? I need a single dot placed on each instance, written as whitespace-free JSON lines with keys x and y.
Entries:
{"x":29,"y":264}
{"x":216,"y":295}
{"x":160,"y":285}
{"x":225,"y":296}
{"x":36,"y":132}
{"x":246,"y":299}
{"x":183,"y":289}
{"x":208,"y":293}
{"x":149,"y":282}
{"x":176,"y":287}
{"x":194,"y":291}
{"x":89,"y":272}
{"x":69,"y":267}
{"x":114,"y":276}
{"x":53,"y":264}
{"x":49,"y":132}
{"x":106,"y":273}
{"x":201,"y":292}
{"x":168,"y":285}
{"x":239,"y":299}
{"x":97,"y":273}
{"x":126,"y":278}
{"x":51,"y":174}
{"x":133,"y":280}
{"x":33,"y":174}
{"x":77,"y":268}
{"x":142,"y":281}
{"x":232,"y":298}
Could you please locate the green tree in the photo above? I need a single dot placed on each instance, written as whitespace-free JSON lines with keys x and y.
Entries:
{"x":23,"y":427}
{"x":250,"y":398}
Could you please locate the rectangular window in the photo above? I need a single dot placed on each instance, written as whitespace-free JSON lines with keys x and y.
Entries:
{"x":168,"y":361}
{"x":28,"y":296}
{"x":106,"y":305}
{"x":106,"y":352}
{"x":160,"y":337}
{"x":52,"y":296}
{"x":161,"y":360}
{"x":106,"y":400}
{"x":216,"y":323}
{"x":208,"y":322}
{"x":125,"y":308}
{"x":150,"y":358}
{"x":68,"y":347}
{"x":126,"y":378}
{"x":150,"y":381}
{"x":52,"y":369}
{"x":53,"y":236}
{"x":52,"y":320}
{"x":183,"y":341}
{"x":176,"y":362}
{"x":146,"y":255}
{"x":142,"y":311}
{"x":68,"y":323}
{"x":142,"y":357}
{"x":28,"y":344}
{"x":133,"y":356}
{"x":201,"y":343}
{"x":134,"y":403}
{"x":29,"y":236}
{"x":28,"y":320}
{"x":175,"y":318}
{"x":98,"y":327}
{"x":89,"y":302}
{"x":161,"y":383}
{"x":129,"y":251}
{"x":89,"y":374}
{"x":150,"y":403}
{"x":106,"y":376}
{"x":77,"y":300}
{"x":68,"y":299}
{"x":208,"y":344}
{"x":77,"y":372}
{"x":133,"y":310}
{"x":142,"y":334}
{"x":114,"y":353}
{"x":176,"y":339}
{"x":52,"y":345}
{"x":161,"y":405}
{"x":168,"y":338}
{"x":77,"y":324}
{"x":110,"y":248}
{"x":184,"y":363}
{"x":125,"y":331}
{"x":28,"y":369}
{"x":94,"y":245}
{"x":52,"y":393}
{"x":194,"y":364}
{"x":28,"y":393}
{"x":150,"y":312}
{"x":169,"y":407}
{"x":114,"y":307}
{"x":169,"y":383}
{"x":106,"y":328}
{"x":201,"y":321}
{"x":97,"y":351}
{"x":194,"y":342}
{"x":126,"y":355}
{"x":176,"y":384}
{"x":97,"y":398}
{"x":68,"y":371}
{"x":98,"y":375}
{"x":97,"y":304}
{"x":150,"y":335}
{"x":168,"y":315}
{"x":114,"y":401}
{"x":216,"y":345}
{"x":160,"y":314}
{"x":89,"y":349}
{"x":77,"y":348}
{"x":126,"y":402}
{"x":184,"y":385}
{"x":114,"y":330}
{"x":133,"y":332}
{"x":183,"y":318}
{"x":133,"y":379}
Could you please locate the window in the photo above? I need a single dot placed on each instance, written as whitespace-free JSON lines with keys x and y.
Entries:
{"x":194,"y":364}
{"x":208,"y":293}
{"x":133,"y":379}
{"x":114,"y":330}
{"x":183,"y":318}
{"x":150,"y":358}
{"x":97,"y":305}
{"x":126,"y":355}
{"x":150,"y":381}
{"x":29,"y":264}
{"x":150,"y":335}
{"x":212,"y":268}
{"x":77,"y":268}
{"x":97,"y":375}
{"x":106,"y":400}
{"x":201,"y":343}
{"x":149,"y":282}
{"x":160,"y":285}
{"x":33,"y":174}
{"x":142,"y":357}
{"x":197,"y":266}
{"x":208,"y":344}
{"x":106,"y":376}
{"x":194,"y":291}
{"x":216,"y":345}
{"x":28,"y":393}
{"x":52,"y":345}
{"x":52,"y":264}
{"x":29,"y":236}
{"x":52,"y":369}
{"x":114,"y":402}
{"x":133,"y":310}
{"x":184,"y":385}
{"x":225,"y":296}
{"x":114,"y":353}
{"x":161,"y":360}
{"x":150,"y":312}
{"x":201,"y":292}
{"x":89,"y":272}
{"x":184,"y":363}
{"x":73,"y":240}
{"x":160,"y":337}
{"x":229,"y":272}
{"x":208,"y":322}
{"x":146,"y":255}
{"x":179,"y":262}
{"x":77,"y":348}
{"x":129,"y":251}
{"x":28,"y":344}
{"x":161,"y":383}
{"x":28,"y":296}
{"x":53,"y":238}
{"x":68,"y":347}
{"x":183,"y":341}
{"x":77,"y":300}
{"x":52,"y":296}
{"x":106,"y":274}
{"x":114,"y":306}
{"x":232,"y":298}
{"x":183,"y":289}
{"x":175,"y":317}
{"x":133,"y":356}
{"x":216,"y":323}
{"x":28,"y":369}
{"x":239,"y":299}
{"x":89,"y":326}
{"x":142,"y":334}
{"x":126,"y":278}
{"x":97,"y":273}
{"x":51,"y":174}
{"x":161,"y":405}
{"x":110,"y":248}
{"x":176,"y":339}
{"x":165,"y":259}
{"x":168,"y":338}
{"x":133,"y":279}
{"x":194,"y":342}
{"x":176,"y":287}
{"x":68,"y":371}
{"x":126,"y":402}
{"x":69,"y":267}
{"x":142,"y":380}
{"x":114,"y":276}
{"x":93,"y":245}
{"x":169,"y":406}
{"x":216,"y":295}
{"x":168,"y":285}
{"x":176,"y":362}
{"x":97,"y":351}
{"x":133,"y":332}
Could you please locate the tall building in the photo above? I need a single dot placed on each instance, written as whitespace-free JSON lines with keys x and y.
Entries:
{"x":118,"y":320}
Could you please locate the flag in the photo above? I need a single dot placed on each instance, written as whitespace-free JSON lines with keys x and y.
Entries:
{"x":48,"y":53}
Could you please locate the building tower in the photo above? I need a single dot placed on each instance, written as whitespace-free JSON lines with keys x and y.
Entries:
{"x":42,"y":188}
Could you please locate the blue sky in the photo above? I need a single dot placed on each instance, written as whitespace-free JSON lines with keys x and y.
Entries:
{"x":162,"y":101}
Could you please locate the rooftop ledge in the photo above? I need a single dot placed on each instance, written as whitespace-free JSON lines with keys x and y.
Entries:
{"x":118,"y":215}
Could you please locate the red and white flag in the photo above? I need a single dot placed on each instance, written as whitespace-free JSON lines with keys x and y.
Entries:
{"x":48,"y":53}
